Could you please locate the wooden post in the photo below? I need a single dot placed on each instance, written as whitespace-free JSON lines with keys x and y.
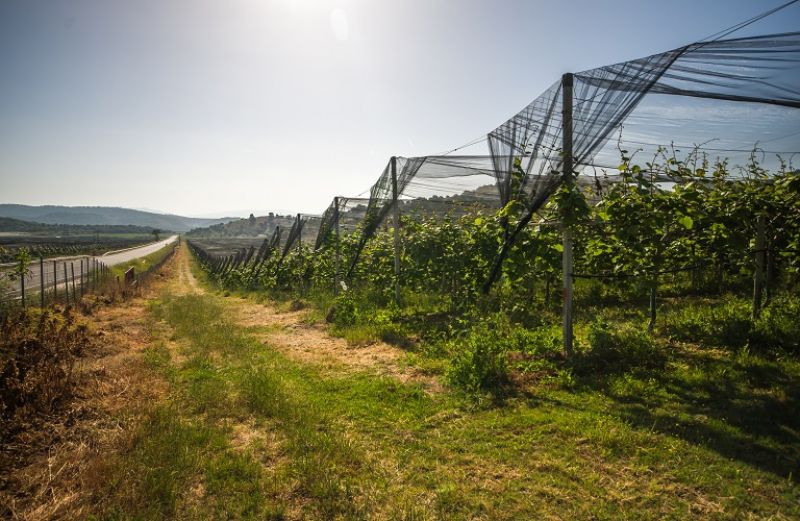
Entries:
{"x":396,"y":215}
{"x":55,"y":281}
{"x":758,"y":274}
{"x":74,"y":293}
{"x":566,"y":258}
{"x":336,"y":246}
{"x":299,"y":233}
{"x":41,"y":281}
{"x":66,"y":285}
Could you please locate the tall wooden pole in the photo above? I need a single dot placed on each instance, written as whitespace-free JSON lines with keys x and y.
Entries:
{"x":41,"y":281}
{"x":299,"y":233}
{"x":566,"y":268}
{"x":396,"y":215}
{"x":336,"y":250}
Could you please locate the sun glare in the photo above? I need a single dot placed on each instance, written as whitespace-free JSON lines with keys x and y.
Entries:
{"x":339,"y":24}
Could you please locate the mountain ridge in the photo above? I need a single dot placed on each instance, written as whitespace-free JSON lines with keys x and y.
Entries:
{"x":105,"y":215}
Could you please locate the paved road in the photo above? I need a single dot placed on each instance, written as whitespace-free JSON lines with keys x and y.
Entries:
{"x":61,"y":269}
{"x":118,"y":257}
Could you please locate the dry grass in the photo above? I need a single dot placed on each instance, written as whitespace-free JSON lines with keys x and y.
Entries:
{"x":55,"y":467}
{"x":290,"y":333}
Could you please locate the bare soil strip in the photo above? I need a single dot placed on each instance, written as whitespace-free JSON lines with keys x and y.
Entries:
{"x":310,"y":343}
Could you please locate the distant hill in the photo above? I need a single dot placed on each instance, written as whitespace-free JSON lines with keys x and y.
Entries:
{"x":104,"y":215}
{"x":8,"y":224}
{"x":264,"y":225}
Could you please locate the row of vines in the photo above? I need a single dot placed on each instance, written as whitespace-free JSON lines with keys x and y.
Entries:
{"x":693,"y":240}
{"x":47,"y":247}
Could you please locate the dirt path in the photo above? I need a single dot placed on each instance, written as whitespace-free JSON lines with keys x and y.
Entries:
{"x":186,"y":282}
{"x":311,"y":343}
{"x":290,"y":333}
{"x":115,"y":388}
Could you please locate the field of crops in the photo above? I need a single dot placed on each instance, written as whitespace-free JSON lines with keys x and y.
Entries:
{"x":227,"y":247}
{"x":590,"y":310}
{"x":55,"y":246}
{"x":640,"y":244}
{"x":679,"y":365}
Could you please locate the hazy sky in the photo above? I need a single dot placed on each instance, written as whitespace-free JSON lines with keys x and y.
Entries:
{"x":208,"y":106}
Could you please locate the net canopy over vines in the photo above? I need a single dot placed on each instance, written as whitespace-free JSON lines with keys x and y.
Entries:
{"x":726,"y":98}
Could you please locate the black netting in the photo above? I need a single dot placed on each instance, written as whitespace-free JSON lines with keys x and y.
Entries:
{"x":294,"y":236}
{"x":721,"y":99}
{"x":327,"y":224}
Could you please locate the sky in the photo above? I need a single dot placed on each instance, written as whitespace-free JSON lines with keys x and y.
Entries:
{"x":209,"y":107}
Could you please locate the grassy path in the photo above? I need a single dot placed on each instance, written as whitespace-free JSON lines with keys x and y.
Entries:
{"x":198,"y":405}
{"x":253,"y":426}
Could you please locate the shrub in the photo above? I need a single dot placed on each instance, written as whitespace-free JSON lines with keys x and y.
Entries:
{"x":37,"y":358}
{"x":621,"y":348}
{"x":542,"y":341}
{"x":479,"y":365}
{"x":730,"y":325}
{"x":778,"y":326}
{"x":727,"y":324}
{"x":344,"y":311}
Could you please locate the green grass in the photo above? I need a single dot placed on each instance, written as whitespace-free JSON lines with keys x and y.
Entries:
{"x":701,"y":432}
{"x":710,"y":436}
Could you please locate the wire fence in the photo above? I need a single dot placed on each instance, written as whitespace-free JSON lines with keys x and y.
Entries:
{"x":45,"y":282}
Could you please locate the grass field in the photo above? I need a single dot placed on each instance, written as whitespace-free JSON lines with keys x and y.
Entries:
{"x":195,"y":402}
{"x":249,"y":430}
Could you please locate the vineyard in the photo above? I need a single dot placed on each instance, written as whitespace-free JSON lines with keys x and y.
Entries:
{"x":44,"y":246}
{"x":592,"y":311}
{"x":697,"y":239}
{"x":679,"y":261}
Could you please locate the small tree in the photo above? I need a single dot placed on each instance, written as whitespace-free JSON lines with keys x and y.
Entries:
{"x":156,"y":233}
{"x":4,"y":285}
{"x":23,"y":259}
{"x":20,"y":270}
